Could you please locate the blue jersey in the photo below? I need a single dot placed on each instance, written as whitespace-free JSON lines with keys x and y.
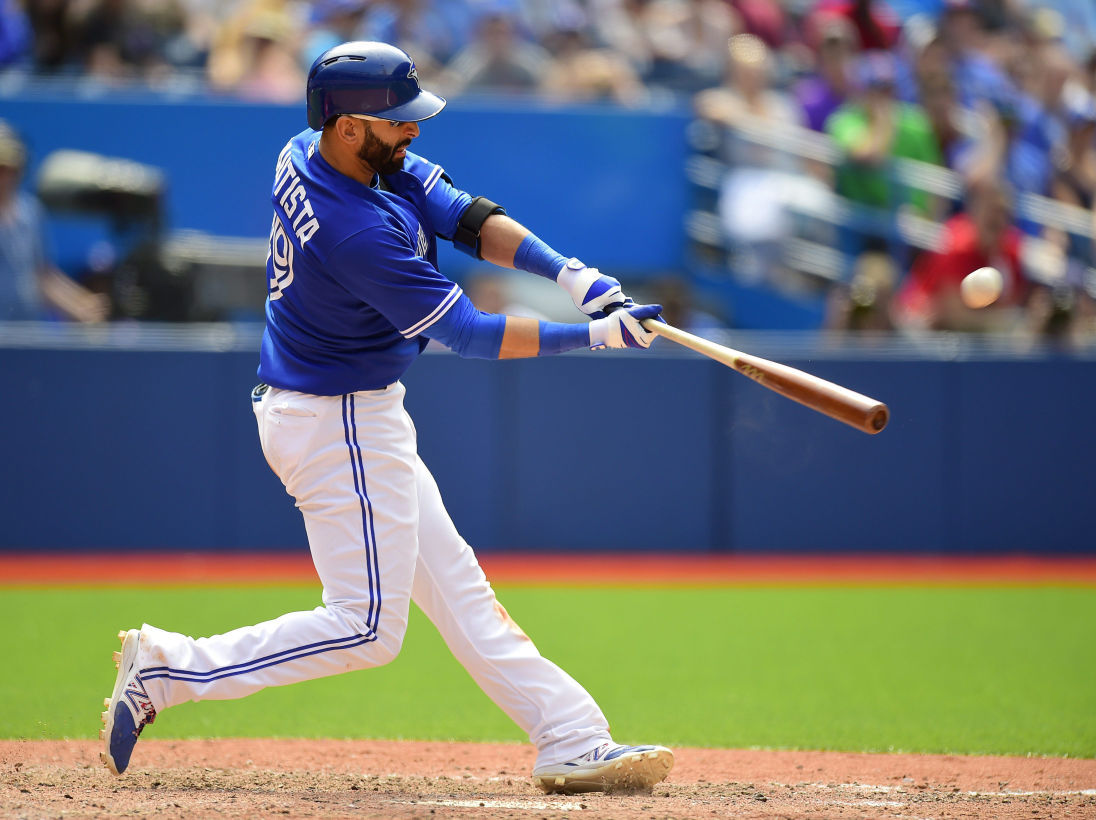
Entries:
{"x":353,"y":271}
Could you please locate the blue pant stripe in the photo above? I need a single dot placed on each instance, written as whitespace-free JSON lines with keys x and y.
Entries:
{"x":368,"y":530}
{"x":351,"y":430}
{"x":206,"y":677}
{"x":372,"y":571}
{"x":277,"y":657}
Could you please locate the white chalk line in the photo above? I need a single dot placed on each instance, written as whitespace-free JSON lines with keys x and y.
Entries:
{"x":866,"y":788}
{"x":872,"y":789}
{"x":530,"y":805}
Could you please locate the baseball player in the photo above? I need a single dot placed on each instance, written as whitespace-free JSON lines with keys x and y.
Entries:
{"x":354,"y":296}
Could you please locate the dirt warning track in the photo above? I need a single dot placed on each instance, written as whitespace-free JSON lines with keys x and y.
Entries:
{"x":660,"y":569}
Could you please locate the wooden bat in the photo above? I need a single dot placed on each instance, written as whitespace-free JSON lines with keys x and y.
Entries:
{"x":830,"y":399}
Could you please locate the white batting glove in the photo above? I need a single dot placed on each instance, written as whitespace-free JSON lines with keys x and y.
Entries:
{"x":590,"y":289}
{"x":622,"y":327}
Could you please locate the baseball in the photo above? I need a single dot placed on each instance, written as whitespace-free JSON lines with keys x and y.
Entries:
{"x":981,"y":288}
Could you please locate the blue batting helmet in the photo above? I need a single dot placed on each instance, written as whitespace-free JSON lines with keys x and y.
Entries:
{"x":367,"y":78}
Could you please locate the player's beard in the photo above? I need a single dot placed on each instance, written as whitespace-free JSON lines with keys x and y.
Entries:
{"x":380,"y":156}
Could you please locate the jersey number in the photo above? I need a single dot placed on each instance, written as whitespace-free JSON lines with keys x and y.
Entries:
{"x":281,"y":257}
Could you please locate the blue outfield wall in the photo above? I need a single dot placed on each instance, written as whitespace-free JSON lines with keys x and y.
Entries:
{"x":603,"y":183}
{"x":609,"y":451}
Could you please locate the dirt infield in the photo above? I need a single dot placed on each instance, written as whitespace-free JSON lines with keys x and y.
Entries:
{"x":403,"y":779}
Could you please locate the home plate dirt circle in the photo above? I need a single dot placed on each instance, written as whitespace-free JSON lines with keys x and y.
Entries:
{"x":406,"y":779}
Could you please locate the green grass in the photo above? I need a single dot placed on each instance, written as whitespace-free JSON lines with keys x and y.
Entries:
{"x":978,"y":670}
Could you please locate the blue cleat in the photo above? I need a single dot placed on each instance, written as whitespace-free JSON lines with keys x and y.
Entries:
{"x":129,"y":709}
{"x":609,"y":767}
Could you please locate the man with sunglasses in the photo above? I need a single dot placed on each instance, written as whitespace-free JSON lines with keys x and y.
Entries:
{"x":355,"y":293}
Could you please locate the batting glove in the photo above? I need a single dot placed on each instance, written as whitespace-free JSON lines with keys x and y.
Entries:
{"x":622,"y":327}
{"x":591,"y":290}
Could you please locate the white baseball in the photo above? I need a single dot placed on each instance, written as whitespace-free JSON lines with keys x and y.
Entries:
{"x":981,"y":288}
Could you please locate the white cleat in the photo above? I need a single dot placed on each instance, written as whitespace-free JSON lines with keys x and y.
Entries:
{"x":129,"y":709}
{"x":609,"y":767}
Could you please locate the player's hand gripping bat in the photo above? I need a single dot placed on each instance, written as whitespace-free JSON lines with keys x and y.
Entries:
{"x":830,"y":399}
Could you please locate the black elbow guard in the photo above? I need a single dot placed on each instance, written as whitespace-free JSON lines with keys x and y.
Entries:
{"x":467,"y":236}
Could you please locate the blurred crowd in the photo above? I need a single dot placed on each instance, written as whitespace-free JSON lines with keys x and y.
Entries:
{"x":804,"y":101}
{"x":901,"y":153}
{"x":623,"y":50}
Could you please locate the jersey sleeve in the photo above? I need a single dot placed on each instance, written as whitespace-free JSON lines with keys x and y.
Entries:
{"x":444,"y":202}
{"x":379,"y":266}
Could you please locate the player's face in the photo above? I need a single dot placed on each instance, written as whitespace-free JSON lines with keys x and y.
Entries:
{"x":384,"y":147}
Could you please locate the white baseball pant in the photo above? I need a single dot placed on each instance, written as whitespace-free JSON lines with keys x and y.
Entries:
{"x":380,"y":537}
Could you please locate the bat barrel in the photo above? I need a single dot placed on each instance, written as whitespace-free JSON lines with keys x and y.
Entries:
{"x":855,"y":409}
{"x":837,"y":402}
{"x":870,"y":416}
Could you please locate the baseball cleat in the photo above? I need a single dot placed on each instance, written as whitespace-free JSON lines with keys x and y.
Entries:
{"x":609,"y":767}
{"x":129,"y":708}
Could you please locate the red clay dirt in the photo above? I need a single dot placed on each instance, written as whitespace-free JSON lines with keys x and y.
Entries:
{"x":404,"y":779}
{"x":569,"y":569}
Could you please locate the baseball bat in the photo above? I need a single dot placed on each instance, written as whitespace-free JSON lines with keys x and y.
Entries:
{"x":830,"y":399}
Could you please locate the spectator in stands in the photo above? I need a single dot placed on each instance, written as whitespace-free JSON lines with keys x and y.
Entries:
{"x":873,"y":129}
{"x":768,"y":20}
{"x":581,"y":72}
{"x":618,"y":25}
{"x":676,"y":46}
{"x":921,"y":54}
{"x":15,"y":34}
{"x":1078,"y":25}
{"x":864,"y":302}
{"x":746,"y":94}
{"x":433,"y":31}
{"x":705,"y":26}
{"x":52,"y":35}
{"x":123,"y":40}
{"x":977,"y":76}
{"x":1034,"y":47}
{"x":828,"y":87}
{"x":1074,"y":181}
{"x":747,"y":112}
{"x":951,"y":125}
{"x":1041,"y":68}
{"x":1087,"y":76}
{"x":333,"y":22}
{"x":187,"y":46}
{"x":1011,"y":144}
{"x":981,"y":235}
{"x":255,"y":55}
{"x":498,"y":59}
{"x":1075,"y":161}
{"x":30,"y":284}
{"x":876,"y":26}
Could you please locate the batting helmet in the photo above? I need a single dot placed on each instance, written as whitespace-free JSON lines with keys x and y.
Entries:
{"x":367,"y":78}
